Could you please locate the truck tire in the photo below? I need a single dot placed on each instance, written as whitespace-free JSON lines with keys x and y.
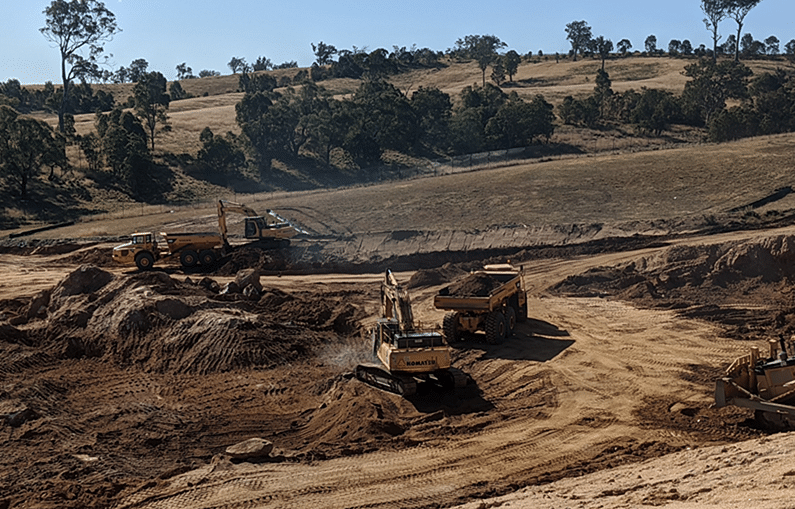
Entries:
{"x":450,"y":328}
{"x":144,"y":261}
{"x":510,"y":320}
{"x":207,"y":258}
{"x":495,"y":327}
{"x":189,"y":258}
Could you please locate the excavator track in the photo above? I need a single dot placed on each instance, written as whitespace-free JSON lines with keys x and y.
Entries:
{"x":381,"y":379}
{"x":455,"y":378}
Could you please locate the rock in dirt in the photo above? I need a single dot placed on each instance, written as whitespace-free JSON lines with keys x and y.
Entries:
{"x":248,"y":277}
{"x":19,"y":418}
{"x":250,"y":449}
{"x":210,"y":284}
{"x":251,"y":292}
{"x":230,"y":288}
{"x":38,"y":305}
{"x":10,"y":333}
{"x":173,"y":308}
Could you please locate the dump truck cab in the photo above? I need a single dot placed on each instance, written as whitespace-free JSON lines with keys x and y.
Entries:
{"x":141,"y":247}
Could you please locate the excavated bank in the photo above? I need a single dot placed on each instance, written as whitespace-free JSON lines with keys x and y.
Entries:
{"x":746,"y":286}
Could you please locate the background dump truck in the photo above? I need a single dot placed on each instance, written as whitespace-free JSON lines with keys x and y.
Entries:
{"x":192,"y":248}
{"x":491,"y":300}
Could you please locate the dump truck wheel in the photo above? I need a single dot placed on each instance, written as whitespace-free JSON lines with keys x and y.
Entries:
{"x":207,"y":257}
{"x":144,"y":261}
{"x":510,"y":320}
{"x":450,"y":327}
{"x":189,"y":258}
{"x":495,"y":327}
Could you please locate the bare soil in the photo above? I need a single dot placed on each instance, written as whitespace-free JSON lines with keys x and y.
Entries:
{"x":125,"y":389}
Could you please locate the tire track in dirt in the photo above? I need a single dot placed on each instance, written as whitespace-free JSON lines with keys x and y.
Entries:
{"x":579,"y":396}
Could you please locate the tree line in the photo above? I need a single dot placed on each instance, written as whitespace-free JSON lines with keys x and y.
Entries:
{"x":766,"y":103}
{"x":307,"y":121}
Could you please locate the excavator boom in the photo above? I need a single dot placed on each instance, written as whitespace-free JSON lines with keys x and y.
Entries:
{"x":271,"y":227}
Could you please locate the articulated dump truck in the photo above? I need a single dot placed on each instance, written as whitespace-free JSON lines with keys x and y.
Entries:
{"x":265,"y":232}
{"x":192,"y":249}
{"x":763,"y":384}
{"x":491,"y":300}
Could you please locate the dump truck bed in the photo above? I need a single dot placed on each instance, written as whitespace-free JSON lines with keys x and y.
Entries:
{"x":511,"y":283}
{"x":197,"y":241}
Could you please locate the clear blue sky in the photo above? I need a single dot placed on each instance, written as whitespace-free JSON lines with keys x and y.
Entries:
{"x":206,"y":34}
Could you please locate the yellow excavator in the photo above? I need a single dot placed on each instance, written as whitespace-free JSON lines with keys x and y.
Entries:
{"x":271,"y":230}
{"x":406,"y":354}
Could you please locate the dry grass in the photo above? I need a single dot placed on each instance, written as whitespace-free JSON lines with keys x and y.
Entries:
{"x":615,"y":179}
{"x":636,"y":190}
{"x":697,"y":180}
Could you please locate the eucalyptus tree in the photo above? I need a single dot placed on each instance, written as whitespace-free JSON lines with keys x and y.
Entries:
{"x":76,"y":26}
{"x":738,"y":10}
{"x":579,"y":35}
{"x":715,"y":12}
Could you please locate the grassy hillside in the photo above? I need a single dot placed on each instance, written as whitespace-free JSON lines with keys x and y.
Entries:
{"x":213,"y":105}
{"x":650,"y":191}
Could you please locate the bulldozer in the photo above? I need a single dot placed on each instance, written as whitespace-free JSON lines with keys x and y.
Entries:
{"x":269,"y":231}
{"x":763,"y":384}
{"x":406,"y":353}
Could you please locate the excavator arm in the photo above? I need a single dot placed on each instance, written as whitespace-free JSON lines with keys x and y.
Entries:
{"x":271,"y":226}
{"x":395,"y":302}
{"x":227,"y":206}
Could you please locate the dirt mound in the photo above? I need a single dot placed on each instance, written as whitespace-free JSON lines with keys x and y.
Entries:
{"x":743,"y":285}
{"x":252,"y":258}
{"x":354,"y":413}
{"x":474,"y":285}
{"x":98,"y":256}
{"x":331,"y":313}
{"x":163,"y":325}
{"x":432,"y":277}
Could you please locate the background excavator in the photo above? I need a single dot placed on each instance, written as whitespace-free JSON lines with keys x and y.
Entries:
{"x":405,"y":353}
{"x":269,"y":231}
